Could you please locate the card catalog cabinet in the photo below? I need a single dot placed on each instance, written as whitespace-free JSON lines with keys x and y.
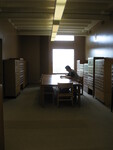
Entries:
{"x":104,"y":80}
{"x":85,"y":77}
{"x":11,"y":77}
{"x":90,"y":73}
{"x":23,"y":73}
{"x":80,"y":68}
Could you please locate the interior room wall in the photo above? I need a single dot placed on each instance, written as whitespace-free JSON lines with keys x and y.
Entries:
{"x":8,"y":34}
{"x":1,"y":120}
{"x":100,"y":41}
{"x":37,"y":51}
{"x":1,"y":102}
{"x":30,"y":51}
{"x":79,"y":46}
{"x":9,"y":48}
{"x":44,"y":55}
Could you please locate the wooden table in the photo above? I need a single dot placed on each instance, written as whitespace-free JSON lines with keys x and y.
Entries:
{"x":52,"y":81}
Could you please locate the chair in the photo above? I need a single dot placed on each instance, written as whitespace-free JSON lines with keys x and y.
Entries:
{"x":65,"y":92}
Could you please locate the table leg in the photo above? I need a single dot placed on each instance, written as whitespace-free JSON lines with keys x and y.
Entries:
{"x":79,"y":100}
{"x":42,"y":96}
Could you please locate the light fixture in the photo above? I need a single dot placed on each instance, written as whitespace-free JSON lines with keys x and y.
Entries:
{"x":53,"y":36}
{"x":55,"y":28}
{"x":54,"y":31}
{"x":59,"y":9}
{"x":60,"y":5}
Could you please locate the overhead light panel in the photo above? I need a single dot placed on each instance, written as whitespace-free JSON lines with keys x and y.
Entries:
{"x":54,"y":32}
{"x":60,"y":5}
{"x":59,"y":9}
{"x":55,"y":28}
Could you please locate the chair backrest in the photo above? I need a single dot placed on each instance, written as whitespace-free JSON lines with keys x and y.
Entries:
{"x":65,"y":92}
{"x":65,"y":87}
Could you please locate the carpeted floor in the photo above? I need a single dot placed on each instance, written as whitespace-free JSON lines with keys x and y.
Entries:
{"x":28,"y":126}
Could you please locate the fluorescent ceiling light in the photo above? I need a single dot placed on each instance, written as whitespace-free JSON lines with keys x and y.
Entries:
{"x":53,"y":38}
{"x":55,"y":28}
{"x":54,"y":34}
{"x":60,"y":5}
{"x":54,"y":31}
{"x":59,"y":9}
{"x":59,"y":12}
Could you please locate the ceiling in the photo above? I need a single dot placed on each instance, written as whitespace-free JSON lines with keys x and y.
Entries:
{"x":35,"y":17}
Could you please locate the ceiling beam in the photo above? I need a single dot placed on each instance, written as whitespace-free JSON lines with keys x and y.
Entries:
{"x":26,"y":4}
{"x":86,"y":16}
{"x":26,"y":15}
{"x":34,"y":32}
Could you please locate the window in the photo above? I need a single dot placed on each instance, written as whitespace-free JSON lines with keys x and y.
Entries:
{"x":61,"y":58}
{"x":64,"y":38}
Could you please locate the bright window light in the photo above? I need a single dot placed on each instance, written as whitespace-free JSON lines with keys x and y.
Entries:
{"x":62,"y":58}
{"x":64,"y":38}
